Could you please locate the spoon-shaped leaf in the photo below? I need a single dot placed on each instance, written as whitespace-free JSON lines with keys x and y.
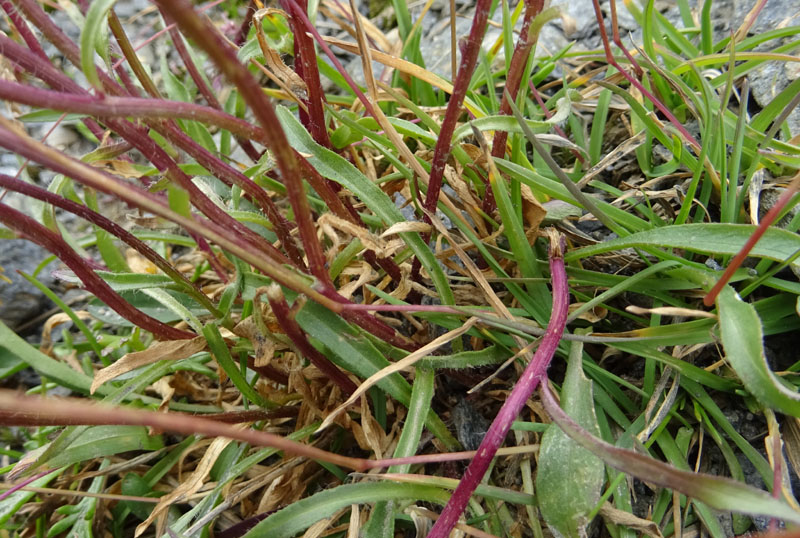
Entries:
{"x":715,"y":491}
{"x":743,"y":341}
{"x":569,"y":478}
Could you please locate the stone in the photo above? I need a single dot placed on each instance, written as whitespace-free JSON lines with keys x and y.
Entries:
{"x":20,"y":301}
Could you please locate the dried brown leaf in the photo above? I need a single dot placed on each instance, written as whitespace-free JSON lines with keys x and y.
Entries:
{"x":620,"y":517}
{"x":172,"y":349}
{"x":189,"y":486}
{"x":402,"y":364}
{"x":54,"y":321}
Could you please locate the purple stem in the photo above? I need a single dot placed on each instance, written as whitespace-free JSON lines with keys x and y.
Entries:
{"x":28,"y":228}
{"x":615,"y":36}
{"x":230,"y":176}
{"x":224,"y":56}
{"x":292,"y":329}
{"x":206,"y":92}
{"x":213,"y":231}
{"x":22,"y":27}
{"x":23,"y":483}
{"x":522,"y":391}
{"x":301,"y":15}
{"x":469,"y":58}
{"x":135,"y":135}
{"x":110,"y":107}
{"x":306,"y":67}
{"x":244,"y":29}
{"x":515,"y":71}
{"x":660,"y":106}
{"x":111,"y":227}
{"x":35,"y":47}
{"x":213,"y":260}
{"x":206,"y":36}
{"x":763,"y":226}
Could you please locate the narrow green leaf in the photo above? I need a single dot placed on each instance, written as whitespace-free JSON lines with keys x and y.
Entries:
{"x":179,"y":200}
{"x":570,"y":478}
{"x":98,"y":441}
{"x":743,"y":341}
{"x":381,"y":521}
{"x":302,"y":514}
{"x":220,"y":350}
{"x":94,"y":37}
{"x":714,"y":238}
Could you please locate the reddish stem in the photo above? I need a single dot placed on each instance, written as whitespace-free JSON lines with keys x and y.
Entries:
{"x":305,"y":66}
{"x":28,"y":228}
{"x":469,"y":58}
{"x":615,"y":36}
{"x":22,"y":27}
{"x":218,"y":49}
{"x":638,"y":85}
{"x":111,"y":227}
{"x":298,"y":12}
{"x":515,"y":71}
{"x":113,"y":107}
{"x":766,"y":222}
{"x":522,"y":391}
{"x":292,"y":329}
{"x":203,"y":88}
{"x":135,"y":135}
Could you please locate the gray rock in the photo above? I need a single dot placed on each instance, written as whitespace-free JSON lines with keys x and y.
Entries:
{"x":766,"y":82}
{"x":20,"y":301}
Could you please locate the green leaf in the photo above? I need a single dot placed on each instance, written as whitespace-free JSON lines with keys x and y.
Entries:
{"x":717,"y":492}
{"x":47,"y":115}
{"x":297,"y":517}
{"x":714,"y":238}
{"x":10,"y":363}
{"x":10,"y":505}
{"x":134,"y":281}
{"x":510,"y":124}
{"x":135,"y":486}
{"x":743,"y":341}
{"x":220,"y":350}
{"x":179,"y":200}
{"x":94,"y":37}
{"x":569,"y":478}
{"x":98,"y":441}
{"x":381,"y":521}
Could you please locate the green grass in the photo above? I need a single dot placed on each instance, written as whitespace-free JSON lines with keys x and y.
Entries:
{"x":217,"y":223}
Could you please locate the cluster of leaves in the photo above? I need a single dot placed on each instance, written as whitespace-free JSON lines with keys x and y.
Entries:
{"x":270,"y":276}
